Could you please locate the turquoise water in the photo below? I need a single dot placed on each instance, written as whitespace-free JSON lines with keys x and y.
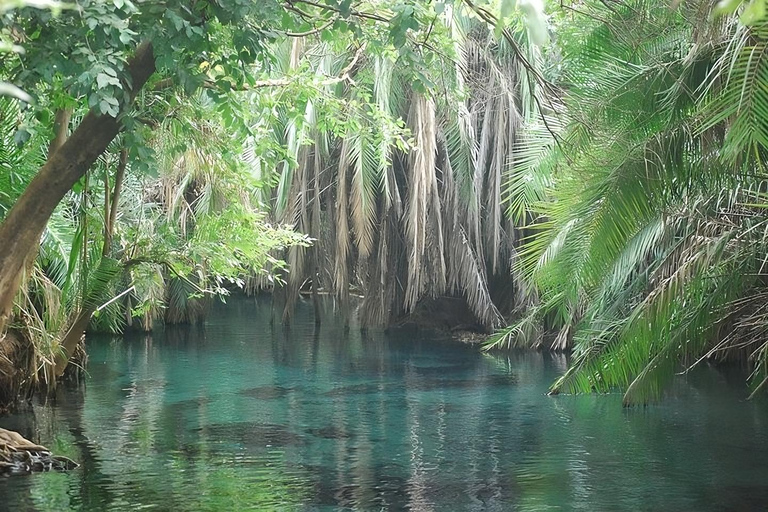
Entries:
{"x":241,"y":416}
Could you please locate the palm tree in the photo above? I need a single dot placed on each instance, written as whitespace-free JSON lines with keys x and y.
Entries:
{"x":650,"y":243}
{"x":402,"y":192}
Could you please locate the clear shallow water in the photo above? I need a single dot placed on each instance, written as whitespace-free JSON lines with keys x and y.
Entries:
{"x":240,"y":416}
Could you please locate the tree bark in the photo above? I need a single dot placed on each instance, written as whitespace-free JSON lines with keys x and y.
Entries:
{"x":111,"y":204}
{"x":21,"y":230}
{"x":72,"y":339}
{"x":60,"y":130}
{"x":60,"y":134}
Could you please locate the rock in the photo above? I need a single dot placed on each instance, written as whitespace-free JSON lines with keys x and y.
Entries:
{"x":20,"y":456}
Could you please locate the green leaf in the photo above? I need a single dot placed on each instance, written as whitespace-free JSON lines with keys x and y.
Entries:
{"x":753,"y":12}
{"x":727,"y":6}
{"x":102,"y":80}
{"x":507,"y":8}
{"x":345,"y":8}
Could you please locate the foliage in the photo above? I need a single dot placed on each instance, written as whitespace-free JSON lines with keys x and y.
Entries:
{"x":649,"y":244}
{"x":245,"y":95}
{"x":402,"y":190}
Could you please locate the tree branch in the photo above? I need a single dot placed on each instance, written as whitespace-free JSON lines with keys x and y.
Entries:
{"x":352,"y":12}
{"x":60,"y":129}
{"x":22,"y":228}
{"x":109,"y":226}
{"x":312,"y":31}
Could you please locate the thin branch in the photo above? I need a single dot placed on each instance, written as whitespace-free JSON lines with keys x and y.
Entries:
{"x":344,"y":76}
{"x":109,"y":227}
{"x":298,"y":11}
{"x":429,"y":31}
{"x":353,"y":12}
{"x":116,"y":297}
{"x":312,"y":31}
{"x":493,"y":21}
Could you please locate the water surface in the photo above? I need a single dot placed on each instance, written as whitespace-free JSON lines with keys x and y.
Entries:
{"x":242,"y":416}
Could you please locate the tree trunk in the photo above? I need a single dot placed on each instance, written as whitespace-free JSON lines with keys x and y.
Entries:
{"x":60,"y":134}
{"x":110,"y":205}
{"x":72,"y":339}
{"x":21,"y":230}
{"x":77,"y":329}
{"x":60,"y":130}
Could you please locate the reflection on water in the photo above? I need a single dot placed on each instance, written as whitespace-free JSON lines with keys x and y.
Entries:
{"x":241,"y":416}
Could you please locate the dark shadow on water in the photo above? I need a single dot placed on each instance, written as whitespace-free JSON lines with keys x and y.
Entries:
{"x":267,"y":392}
{"x":329,"y":433}
{"x":252,"y":436}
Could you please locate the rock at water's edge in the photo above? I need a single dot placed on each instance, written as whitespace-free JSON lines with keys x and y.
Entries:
{"x":21,"y":456}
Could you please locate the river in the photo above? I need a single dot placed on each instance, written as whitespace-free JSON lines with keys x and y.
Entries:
{"x":242,"y":416}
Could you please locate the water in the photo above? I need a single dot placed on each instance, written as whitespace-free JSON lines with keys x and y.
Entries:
{"x":240,"y":416}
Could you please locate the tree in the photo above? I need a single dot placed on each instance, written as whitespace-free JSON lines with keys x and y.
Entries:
{"x":103,"y":54}
{"x":650,"y":242}
{"x":403,"y":193}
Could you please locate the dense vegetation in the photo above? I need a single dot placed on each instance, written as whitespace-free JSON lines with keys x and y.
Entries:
{"x":650,"y":250}
{"x":594,"y":178}
{"x":404,"y":198}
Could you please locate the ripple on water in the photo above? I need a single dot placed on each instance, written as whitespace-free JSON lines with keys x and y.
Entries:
{"x":239,"y":416}
{"x":250,"y":435}
{"x":267,"y":392}
{"x":329,"y":432}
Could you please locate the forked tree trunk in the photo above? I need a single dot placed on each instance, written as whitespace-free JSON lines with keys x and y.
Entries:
{"x":60,"y":129}
{"x":21,"y":230}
